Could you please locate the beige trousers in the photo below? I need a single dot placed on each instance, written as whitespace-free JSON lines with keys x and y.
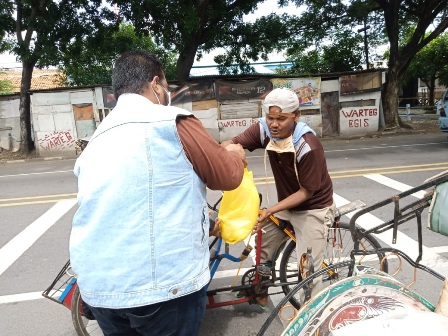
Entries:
{"x":311,"y":229}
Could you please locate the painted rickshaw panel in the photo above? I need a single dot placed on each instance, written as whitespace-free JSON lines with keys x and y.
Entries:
{"x":354,"y":299}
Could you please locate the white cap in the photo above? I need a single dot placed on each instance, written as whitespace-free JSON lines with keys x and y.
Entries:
{"x":284,"y":98}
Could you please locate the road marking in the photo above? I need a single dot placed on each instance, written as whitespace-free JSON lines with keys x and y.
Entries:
{"x":14,"y":298}
{"x":382,"y":147}
{"x":270,"y":180}
{"x":38,"y":202}
{"x":42,"y":173}
{"x":23,"y":241}
{"x":391,"y":168}
{"x":35,"y":197}
{"x":404,"y":243}
{"x":366,"y":148}
{"x":230,"y":273}
{"x":381,"y":179}
{"x":440,"y":249}
{"x":21,"y":297}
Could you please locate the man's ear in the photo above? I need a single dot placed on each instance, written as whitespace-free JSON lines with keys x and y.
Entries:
{"x":154,"y":84}
{"x":297,"y":116}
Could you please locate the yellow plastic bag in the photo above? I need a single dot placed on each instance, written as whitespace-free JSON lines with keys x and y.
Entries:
{"x":239,"y":210}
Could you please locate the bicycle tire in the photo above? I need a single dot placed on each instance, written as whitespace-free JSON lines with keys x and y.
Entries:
{"x":83,"y":326}
{"x":288,"y":265}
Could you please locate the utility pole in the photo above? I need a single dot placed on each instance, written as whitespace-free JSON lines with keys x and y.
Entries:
{"x":366,"y":45}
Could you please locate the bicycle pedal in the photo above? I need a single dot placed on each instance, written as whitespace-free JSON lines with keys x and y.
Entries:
{"x":240,"y":294}
{"x":264,"y":270}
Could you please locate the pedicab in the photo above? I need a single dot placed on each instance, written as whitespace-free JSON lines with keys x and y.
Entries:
{"x":370,"y":301}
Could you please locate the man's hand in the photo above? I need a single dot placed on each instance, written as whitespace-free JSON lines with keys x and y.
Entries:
{"x":262,"y":220}
{"x":237,"y":148}
{"x":216,"y":231}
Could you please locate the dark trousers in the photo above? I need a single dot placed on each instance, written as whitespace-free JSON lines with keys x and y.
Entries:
{"x":181,"y":316}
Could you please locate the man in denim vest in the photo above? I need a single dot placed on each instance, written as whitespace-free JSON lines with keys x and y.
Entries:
{"x":139,"y":240}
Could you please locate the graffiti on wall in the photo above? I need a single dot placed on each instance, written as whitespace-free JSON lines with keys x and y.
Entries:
{"x":57,"y":140}
{"x":360,"y":116}
{"x":357,"y":120}
{"x":231,"y":123}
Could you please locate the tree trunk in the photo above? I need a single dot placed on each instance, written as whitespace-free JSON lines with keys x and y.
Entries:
{"x":390,"y":99}
{"x":25,"y":109}
{"x":431,"y":89}
{"x":185,"y":61}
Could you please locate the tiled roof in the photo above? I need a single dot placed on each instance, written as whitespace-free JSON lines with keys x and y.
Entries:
{"x":42,"y":79}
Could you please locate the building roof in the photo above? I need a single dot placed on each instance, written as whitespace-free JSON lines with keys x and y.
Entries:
{"x":42,"y":79}
{"x":260,"y":68}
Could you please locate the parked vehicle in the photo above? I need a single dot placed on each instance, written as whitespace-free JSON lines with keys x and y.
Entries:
{"x":443,"y":124}
{"x":442,"y":110}
{"x":442,"y":105}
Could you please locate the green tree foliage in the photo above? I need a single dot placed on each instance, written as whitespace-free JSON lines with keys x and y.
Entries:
{"x":345,"y":54}
{"x":6,"y":24}
{"x":192,"y":28}
{"x":391,"y":19}
{"x":43,"y":29}
{"x":430,"y":64}
{"x":6,"y":86}
{"x":95,"y":56}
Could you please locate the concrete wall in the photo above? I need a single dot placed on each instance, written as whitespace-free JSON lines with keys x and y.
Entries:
{"x":61,"y":117}
{"x":359,"y":114}
{"x":9,"y":123}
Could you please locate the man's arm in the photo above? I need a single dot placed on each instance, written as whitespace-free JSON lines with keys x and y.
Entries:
{"x":289,"y":202}
{"x":219,"y":168}
{"x":249,"y":139}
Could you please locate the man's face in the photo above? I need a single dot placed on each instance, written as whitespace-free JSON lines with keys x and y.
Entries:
{"x":281,"y":125}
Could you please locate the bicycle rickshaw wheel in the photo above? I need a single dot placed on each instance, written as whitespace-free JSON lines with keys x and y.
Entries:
{"x":339,"y":246}
{"x":83,"y":326}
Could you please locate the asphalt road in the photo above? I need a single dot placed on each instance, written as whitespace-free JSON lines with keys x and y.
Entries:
{"x":37,"y":203}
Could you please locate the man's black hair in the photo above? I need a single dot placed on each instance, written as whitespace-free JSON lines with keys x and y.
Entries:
{"x":133,"y":71}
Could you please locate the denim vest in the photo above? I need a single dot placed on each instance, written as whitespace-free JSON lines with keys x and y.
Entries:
{"x":140,"y":234}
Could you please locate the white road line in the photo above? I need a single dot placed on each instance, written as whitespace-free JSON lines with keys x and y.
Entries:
{"x":21,"y":297}
{"x":23,"y":241}
{"x":248,"y":156}
{"x":30,"y":174}
{"x":394,"y":184}
{"x":404,"y":243}
{"x":26,"y":238}
{"x":14,"y":298}
{"x":382,"y":147}
{"x":230,"y":273}
{"x":440,"y":249}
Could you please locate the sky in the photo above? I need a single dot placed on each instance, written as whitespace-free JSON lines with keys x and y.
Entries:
{"x":8,"y":61}
{"x":266,"y":8}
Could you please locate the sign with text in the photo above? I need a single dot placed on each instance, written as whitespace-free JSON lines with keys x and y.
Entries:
{"x":233,"y":123}
{"x":307,"y":90}
{"x":362,"y":82}
{"x":228,"y":128}
{"x":193,"y":91}
{"x":358,"y":120}
{"x":56,"y":140}
{"x":250,"y":89}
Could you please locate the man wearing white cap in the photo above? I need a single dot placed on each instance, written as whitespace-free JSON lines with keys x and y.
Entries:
{"x":304,"y":187}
